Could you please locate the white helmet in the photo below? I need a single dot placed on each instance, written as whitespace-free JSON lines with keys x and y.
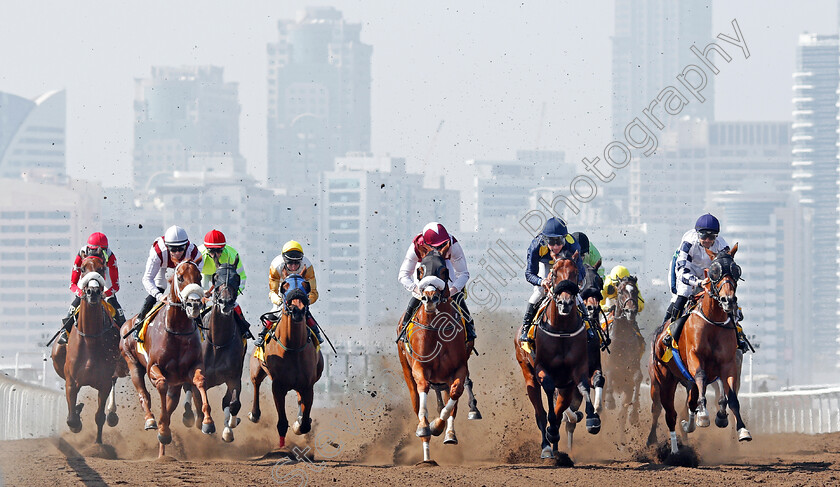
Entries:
{"x":175,"y":236}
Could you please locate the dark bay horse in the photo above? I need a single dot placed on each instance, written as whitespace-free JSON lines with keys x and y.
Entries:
{"x":623,"y":363}
{"x":292,"y":360}
{"x":91,"y":355}
{"x":560,"y":364}
{"x":590,"y":294}
{"x":706,"y":351}
{"x":172,"y":352}
{"x":223,"y":351}
{"x":435,"y":353}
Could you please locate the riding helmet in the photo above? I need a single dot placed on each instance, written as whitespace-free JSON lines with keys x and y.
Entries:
{"x":175,"y":236}
{"x":555,"y":227}
{"x":435,"y":234}
{"x":707,"y":222}
{"x":214,"y":239}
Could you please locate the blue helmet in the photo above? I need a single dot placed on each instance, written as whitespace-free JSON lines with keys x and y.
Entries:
{"x":555,"y":227}
{"x":707,"y":222}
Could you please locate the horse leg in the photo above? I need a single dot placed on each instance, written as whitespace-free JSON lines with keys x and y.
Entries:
{"x":721,"y":418}
{"x":729,"y":387}
{"x":571,"y":413}
{"x":702,"y":412}
{"x":231,"y":405}
{"x":257,"y":376}
{"x":280,"y":404}
{"x":454,"y":393}
{"x":535,"y":396}
{"x":552,"y":430}
{"x":635,"y":403}
{"x":138,"y":378}
{"x":189,"y":417}
{"x":207,"y":425}
{"x":111,"y":407}
{"x":439,"y":395}
{"x":692,"y":400}
{"x":303,"y":424}
{"x":169,"y":397}
{"x":655,"y":406}
{"x":71,"y":392}
{"x":198,"y":406}
{"x":667,"y":391}
{"x":474,"y":412}
{"x":593,"y":422}
{"x":99,"y":417}
{"x":449,"y":437}
{"x":596,"y":373}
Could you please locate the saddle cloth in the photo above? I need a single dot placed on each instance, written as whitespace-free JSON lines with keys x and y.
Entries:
{"x":141,"y":335}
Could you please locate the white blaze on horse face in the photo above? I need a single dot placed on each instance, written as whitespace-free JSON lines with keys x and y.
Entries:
{"x":421,"y":411}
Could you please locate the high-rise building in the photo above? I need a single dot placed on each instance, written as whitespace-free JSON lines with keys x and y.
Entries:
{"x":186,"y":119}
{"x":32,"y":137}
{"x":814,"y":149}
{"x":319,"y":82}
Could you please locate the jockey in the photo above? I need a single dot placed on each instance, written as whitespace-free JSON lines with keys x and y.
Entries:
{"x":689,"y":264}
{"x":167,"y":252}
{"x":554,"y":239}
{"x":97,"y":246}
{"x":215,"y":252}
{"x":617,"y":273}
{"x":291,"y":261}
{"x":591,"y":256}
{"x":435,"y":236}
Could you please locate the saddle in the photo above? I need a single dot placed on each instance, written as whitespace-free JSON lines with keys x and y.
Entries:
{"x":674,"y":328}
{"x":141,"y":335}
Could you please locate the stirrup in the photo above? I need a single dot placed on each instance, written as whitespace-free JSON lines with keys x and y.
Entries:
{"x":62,"y":337}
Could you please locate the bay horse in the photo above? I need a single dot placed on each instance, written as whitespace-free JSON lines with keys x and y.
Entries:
{"x":707,"y":348}
{"x":434,"y":353}
{"x":223,"y":351}
{"x":292,"y":359}
{"x":590,"y":294}
{"x":91,"y":355}
{"x":560,"y":364}
{"x":623,"y":363}
{"x":172,"y":352}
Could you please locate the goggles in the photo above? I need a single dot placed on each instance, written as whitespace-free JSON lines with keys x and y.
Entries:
{"x":177,"y":248}
{"x":555,"y":240}
{"x":708,"y":234}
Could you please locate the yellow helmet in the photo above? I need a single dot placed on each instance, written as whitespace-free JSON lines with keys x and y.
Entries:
{"x":292,"y":245}
{"x":292,"y":252}
{"x":619,"y":272}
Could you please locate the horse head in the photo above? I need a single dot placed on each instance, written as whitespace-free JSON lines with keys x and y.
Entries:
{"x":590,"y":290}
{"x":226,"y":283}
{"x":723,"y":275}
{"x":564,"y":281}
{"x":185,"y":288}
{"x":627,"y":298}
{"x":92,"y":281}
{"x":295,"y":290}
{"x":433,"y":276}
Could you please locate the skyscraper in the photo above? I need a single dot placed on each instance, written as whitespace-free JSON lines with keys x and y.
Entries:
{"x":814,"y":149}
{"x":186,"y":118}
{"x":32,"y":136}
{"x":318,"y":95}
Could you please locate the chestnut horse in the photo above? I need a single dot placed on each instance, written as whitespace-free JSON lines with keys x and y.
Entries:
{"x":223,"y":351}
{"x":292,"y":360}
{"x":91,"y":355}
{"x":560,"y":364}
{"x":628,"y":346}
{"x":172,"y":352}
{"x":435,"y":353}
{"x":707,"y":348}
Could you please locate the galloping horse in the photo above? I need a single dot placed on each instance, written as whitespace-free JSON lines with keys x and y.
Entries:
{"x":90,"y":357}
{"x":560,"y":364}
{"x":628,"y":346}
{"x":707,"y":347}
{"x":434,"y":353}
{"x":590,"y":293}
{"x":171,"y":352}
{"x":223,"y":351}
{"x":292,"y":360}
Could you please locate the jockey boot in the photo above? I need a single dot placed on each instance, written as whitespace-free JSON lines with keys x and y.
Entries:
{"x":244,"y":326}
{"x":675,"y":310}
{"x":468,"y":321}
{"x":313,"y":325}
{"x":526,"y":322}
{"x":260,"y":341}
{"x":119,"y":314}
{"x":66,"y":324}
{"x":148,"y":304}
{"x":413,"y":304}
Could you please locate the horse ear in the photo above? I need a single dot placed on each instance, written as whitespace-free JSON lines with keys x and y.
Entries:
{"x":734,"y":249}
{"x":598,"y":265}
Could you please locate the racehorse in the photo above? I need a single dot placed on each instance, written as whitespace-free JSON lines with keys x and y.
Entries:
{"x":434,"y":353}
{"x":590,"y":294}
{"x":293,"y":360}
{"x":223,"y":351}
{"x":171,"y":352}
{"x":91,"y":355}
{"x":707,"y":346}
{"x":628,"y":346}
{"x":559,"y":365}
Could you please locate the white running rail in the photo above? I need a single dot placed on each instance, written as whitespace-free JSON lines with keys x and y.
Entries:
{"x":29,"y":411}
{"x":810,"y":412}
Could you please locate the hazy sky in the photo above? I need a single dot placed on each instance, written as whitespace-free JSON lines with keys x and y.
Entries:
{"x":485,"y":70}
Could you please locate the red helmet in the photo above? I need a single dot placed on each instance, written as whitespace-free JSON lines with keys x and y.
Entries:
{"x":435,"y":234}
{"x":97,"y":240}
{"x":214,"y":240}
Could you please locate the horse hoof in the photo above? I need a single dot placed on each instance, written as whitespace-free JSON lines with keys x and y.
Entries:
{"x":744,"y":435}
{"x":474,"y":414}
{"x":721,"y":421}
{"x":231,"y":423}
{"x":438,"y":426}
{"x":227,"y":435}
{"x":450,"y":438}
{"x":703,"y":421}
{"x":423,"y":431}
{"x":75,"y":426}
{"x":546,"y":453}
{"x":113,"y":419}
{"x":593,"y":425}
{"x":208,"y":428}
{"x":164,"y":440}
{"x":254,"y":418}
{"x":151,"y":424}
{"x":79,"y":408}
{"x":296,"y":428}
{"x":552,"y":438}
{"x":188,"y":418}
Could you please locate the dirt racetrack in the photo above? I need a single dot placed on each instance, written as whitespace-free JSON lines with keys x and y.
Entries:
{"x":369,"y":439}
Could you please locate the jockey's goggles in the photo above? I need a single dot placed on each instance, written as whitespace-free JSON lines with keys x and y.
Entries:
{"x":95,"y":249}
{"x":708,"y":234}
{"x":555,"y":240}
{"x":215,"y":251}
{"x":177,"y":248}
